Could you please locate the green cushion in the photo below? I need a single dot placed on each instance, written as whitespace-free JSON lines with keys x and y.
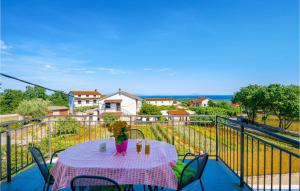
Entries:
{"x":178,"y":168}
{"x":50,"y":166}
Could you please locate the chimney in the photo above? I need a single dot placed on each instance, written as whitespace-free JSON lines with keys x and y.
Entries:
{"x":119,"y":91}
{"x":96,"y":90}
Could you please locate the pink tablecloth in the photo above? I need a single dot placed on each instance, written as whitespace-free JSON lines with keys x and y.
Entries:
{"x":133,"y":168}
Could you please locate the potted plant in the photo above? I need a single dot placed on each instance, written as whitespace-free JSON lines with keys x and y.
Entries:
{"x":119,"y":130}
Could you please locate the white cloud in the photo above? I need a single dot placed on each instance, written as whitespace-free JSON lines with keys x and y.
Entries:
{"x":48,"y":66}
{"x":112,"y":71}
{"x":148,"y":69}
{"x":3,"y":46}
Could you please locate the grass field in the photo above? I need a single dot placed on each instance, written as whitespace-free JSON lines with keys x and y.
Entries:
{"x":273,"y":121}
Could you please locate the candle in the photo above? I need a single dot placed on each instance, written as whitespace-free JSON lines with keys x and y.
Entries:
{"x":147,"y":148}
{"x":139,"y":146}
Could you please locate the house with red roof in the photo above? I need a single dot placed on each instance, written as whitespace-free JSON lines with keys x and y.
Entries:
{"x":201,"y":101}
{"x":79,"y":98}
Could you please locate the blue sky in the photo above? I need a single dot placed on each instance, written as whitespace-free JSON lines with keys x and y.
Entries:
{"x":150,"y":47}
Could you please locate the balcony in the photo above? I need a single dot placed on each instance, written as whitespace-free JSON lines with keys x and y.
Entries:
{"x":242,"y":156}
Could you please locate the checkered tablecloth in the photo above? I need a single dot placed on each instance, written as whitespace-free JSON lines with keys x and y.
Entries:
{"x":86,"y":159}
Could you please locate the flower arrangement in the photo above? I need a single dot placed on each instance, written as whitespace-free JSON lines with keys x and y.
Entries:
{"x":119,"y":130}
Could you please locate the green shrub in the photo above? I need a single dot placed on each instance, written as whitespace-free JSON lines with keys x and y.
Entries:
{"x":162,"y":107}
{"x":215,"y":111}
{"x":66,"y":125}
{"x":149,"y":109}
{"x":109,"y":119}
{"x":33,"y":108}
{"x":84,"y":108}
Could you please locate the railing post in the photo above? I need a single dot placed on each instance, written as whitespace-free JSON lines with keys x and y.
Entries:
{"x":8,"y":154}
{"x":242,"y":157}
{"x":217,"y":139}
{"x":49,"y":135}
{"x":172,"y":130}
{"x":130,"y":121}
{"x":90,"y":127}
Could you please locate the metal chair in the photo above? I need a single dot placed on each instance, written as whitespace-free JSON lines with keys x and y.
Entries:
{"x":40,"y":161}
{"x":89,"y":183}
{"x":193,"y":170}
{"x":136,"y":134}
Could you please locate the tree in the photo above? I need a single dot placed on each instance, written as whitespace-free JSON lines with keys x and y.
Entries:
{"x":149,"y":109}
{"x":9,"y":100}
{"x":285,"y":103}
{"x":35,"y":92}
{"x":220,"y":104}
{"x":250,"y":98}
{"x":282,"y":101}
{"x":265,"y":102}
{"x":33,"y":108}
{"x":59,"y":98}
{"x":211,"y":103}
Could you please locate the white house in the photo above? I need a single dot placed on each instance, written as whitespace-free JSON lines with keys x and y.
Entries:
{"x":201,"y":101}
{"x":120,"y":103}
{"x":83,"y":98}
{"x":179,"y":115}
{"x":160,"y":101}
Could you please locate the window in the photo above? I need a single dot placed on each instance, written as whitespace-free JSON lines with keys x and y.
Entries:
{"x":94,"y":95}
{"x":87,"y":95}
{"x":87,"y":101}
{"x":95,"y":101}
{"x":79,"y":101}
{"x":107,"y":105}
{"x":118,"y":107}
{"x":79,"y":95}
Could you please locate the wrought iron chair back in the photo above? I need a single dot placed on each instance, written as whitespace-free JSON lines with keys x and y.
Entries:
{"x":91,"y":183}
{"x":136,"y":134}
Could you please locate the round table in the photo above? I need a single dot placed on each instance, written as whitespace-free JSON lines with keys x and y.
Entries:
{"x":133,"y":168}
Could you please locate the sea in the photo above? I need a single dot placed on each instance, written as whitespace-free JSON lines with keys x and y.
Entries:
{"x":180,"y":97}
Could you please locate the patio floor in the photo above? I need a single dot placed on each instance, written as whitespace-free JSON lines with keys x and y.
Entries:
{"x":216,"y":177}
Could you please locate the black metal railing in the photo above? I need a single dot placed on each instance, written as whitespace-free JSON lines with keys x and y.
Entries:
{"x":261,"y":162}
{"x":188,"y":134}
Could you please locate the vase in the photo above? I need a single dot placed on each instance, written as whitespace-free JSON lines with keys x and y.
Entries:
{"x":122,"y":148}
